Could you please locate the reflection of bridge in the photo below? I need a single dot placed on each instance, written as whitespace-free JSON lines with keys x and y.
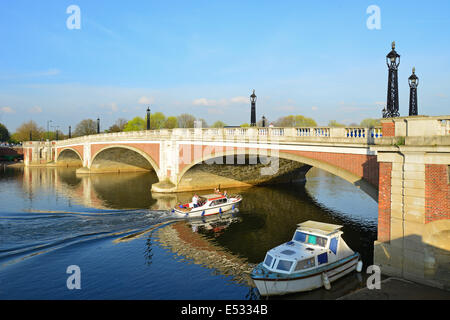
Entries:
{"x":407,"y":162}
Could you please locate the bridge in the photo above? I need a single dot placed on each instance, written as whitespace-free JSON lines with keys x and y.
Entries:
{"x":404,"y":165}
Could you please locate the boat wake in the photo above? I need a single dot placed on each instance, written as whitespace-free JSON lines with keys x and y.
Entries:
{"x":41,"y":232}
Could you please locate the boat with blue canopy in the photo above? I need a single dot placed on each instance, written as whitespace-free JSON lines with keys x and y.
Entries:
{"x":316,"y":256}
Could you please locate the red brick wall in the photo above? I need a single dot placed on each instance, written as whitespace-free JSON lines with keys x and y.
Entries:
{"x":437,"y":192}
{"x":384,"y":202}
{"x":388,"y":129}
{"x":79,"y":149}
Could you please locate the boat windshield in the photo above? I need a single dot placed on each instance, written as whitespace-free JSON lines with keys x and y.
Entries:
{"x":284,"y":265}
{"x":268,"y":261}
{"x":310,"y":239}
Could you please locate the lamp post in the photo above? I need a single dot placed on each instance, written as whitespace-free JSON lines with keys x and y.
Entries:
{"x":148,"y":118}
{"x":98,"y":125}
{"x":70,"y":132}
{"x":413,"y":81}
{"x":253,"y":110}
{"x":392,"y":106}
{"x":263,"y":121}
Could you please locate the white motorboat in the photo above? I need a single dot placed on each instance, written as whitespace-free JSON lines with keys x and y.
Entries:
{"x":316,"y":256}
{"x":208,"y":205}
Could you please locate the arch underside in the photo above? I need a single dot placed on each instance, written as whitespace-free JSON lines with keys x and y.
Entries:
{"x":122,"y":159}
{"x":69,"y":157}
{"x":357,"y":181}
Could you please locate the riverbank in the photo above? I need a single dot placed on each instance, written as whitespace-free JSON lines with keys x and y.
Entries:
{"x":399,"y":289}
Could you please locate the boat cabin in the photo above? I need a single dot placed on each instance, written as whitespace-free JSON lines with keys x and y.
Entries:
{"x":313,"y":244}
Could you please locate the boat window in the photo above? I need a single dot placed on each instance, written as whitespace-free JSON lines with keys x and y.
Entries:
{"x":312,"y":239}
{"x":300,"y":236}
{"x":333,"y":245}
{"x":322,"y":258}
{"x":268,"y":261}
{"x":305,"y":264}
{"x":321,"y":242}
{"x":284,"y":265}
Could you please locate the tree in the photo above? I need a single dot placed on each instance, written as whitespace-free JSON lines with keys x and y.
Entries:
{"x":334,"y":123}
{"x":23,"y":132}
{"x":171,"y":122}
{"x":370,"y":123}
{"x":4,"y":134}
{"x":186,"y":120}
{"x":118,"y":126}
{"x":157,"y":120}
{"x":204,"y":123}
{"x":301,"y":121}
{"x":295,"y":121}
{"x":85,"y":127}
{"x":136,"y":124}
{"x":245,"y":125}
{"x":218,"y":124}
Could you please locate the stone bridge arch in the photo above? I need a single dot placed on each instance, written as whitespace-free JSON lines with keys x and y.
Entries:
{"x":359,"y":181}
{"x":122,"y":158}
{"x":69,"y":157}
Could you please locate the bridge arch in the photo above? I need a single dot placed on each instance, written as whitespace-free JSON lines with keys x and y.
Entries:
{"x":122,"y":158}
{"x":354,"y":179}
{"x":69,"y":157}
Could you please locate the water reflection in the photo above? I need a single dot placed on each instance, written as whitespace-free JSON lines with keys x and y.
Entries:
{"x":228,"y":245}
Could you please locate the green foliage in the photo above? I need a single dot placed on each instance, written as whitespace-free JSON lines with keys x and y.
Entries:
{"x":334,"y":123}
{"x":245,"y":125}
{"x":171,"y":122}
{"x":218,"y":124}
{"x":85,"y":127}
{"x":23,"y":132}
{"x":118,"y":126}
{"x":186,"y":120}
{"x":157,"y":121}
{"x":136,"y":124}
{"x":4,"y":134}
{"x":295,"y":121}
{"x":370,"y":123}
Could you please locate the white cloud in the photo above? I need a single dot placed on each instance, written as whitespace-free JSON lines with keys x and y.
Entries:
{"x":146,"y":100}
{"x":222,"y":102}
{"x":314,"y":108}
{"x":240,"y":100}
{"x":35,"y":109}
{"x":7,"y":110}
{"x":203,"y":102}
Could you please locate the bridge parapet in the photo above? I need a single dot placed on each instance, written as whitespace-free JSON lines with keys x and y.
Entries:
{"x":357,"y":135}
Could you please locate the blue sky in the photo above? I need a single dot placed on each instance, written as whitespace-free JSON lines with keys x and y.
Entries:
{"x":317,"y":59}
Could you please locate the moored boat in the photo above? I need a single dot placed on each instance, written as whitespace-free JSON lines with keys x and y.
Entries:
{"x":316,"y":256}
{"x":207,"y":205}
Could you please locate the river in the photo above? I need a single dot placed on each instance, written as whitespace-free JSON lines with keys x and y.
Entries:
{"x":127,"y":245}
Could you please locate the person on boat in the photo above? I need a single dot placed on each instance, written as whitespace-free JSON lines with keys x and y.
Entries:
{"x":194,"y":201}
{"x":225,"y":194}
{"x":216,"y":190}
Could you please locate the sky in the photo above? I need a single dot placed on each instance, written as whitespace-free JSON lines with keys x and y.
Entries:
{"x":320,"y":59}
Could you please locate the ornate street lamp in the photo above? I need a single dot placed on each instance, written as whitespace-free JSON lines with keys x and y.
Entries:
{"x":98,"y":125}
{"x":413,"y":84}
{"x":264,"y":121}
{"x":253,"y":111}
{"x":70,"y":132}
{"x":392,"y":61}
{"x":148,"y":118}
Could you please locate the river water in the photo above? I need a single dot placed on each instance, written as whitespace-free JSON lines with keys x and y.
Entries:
{"x":127,"y":245}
